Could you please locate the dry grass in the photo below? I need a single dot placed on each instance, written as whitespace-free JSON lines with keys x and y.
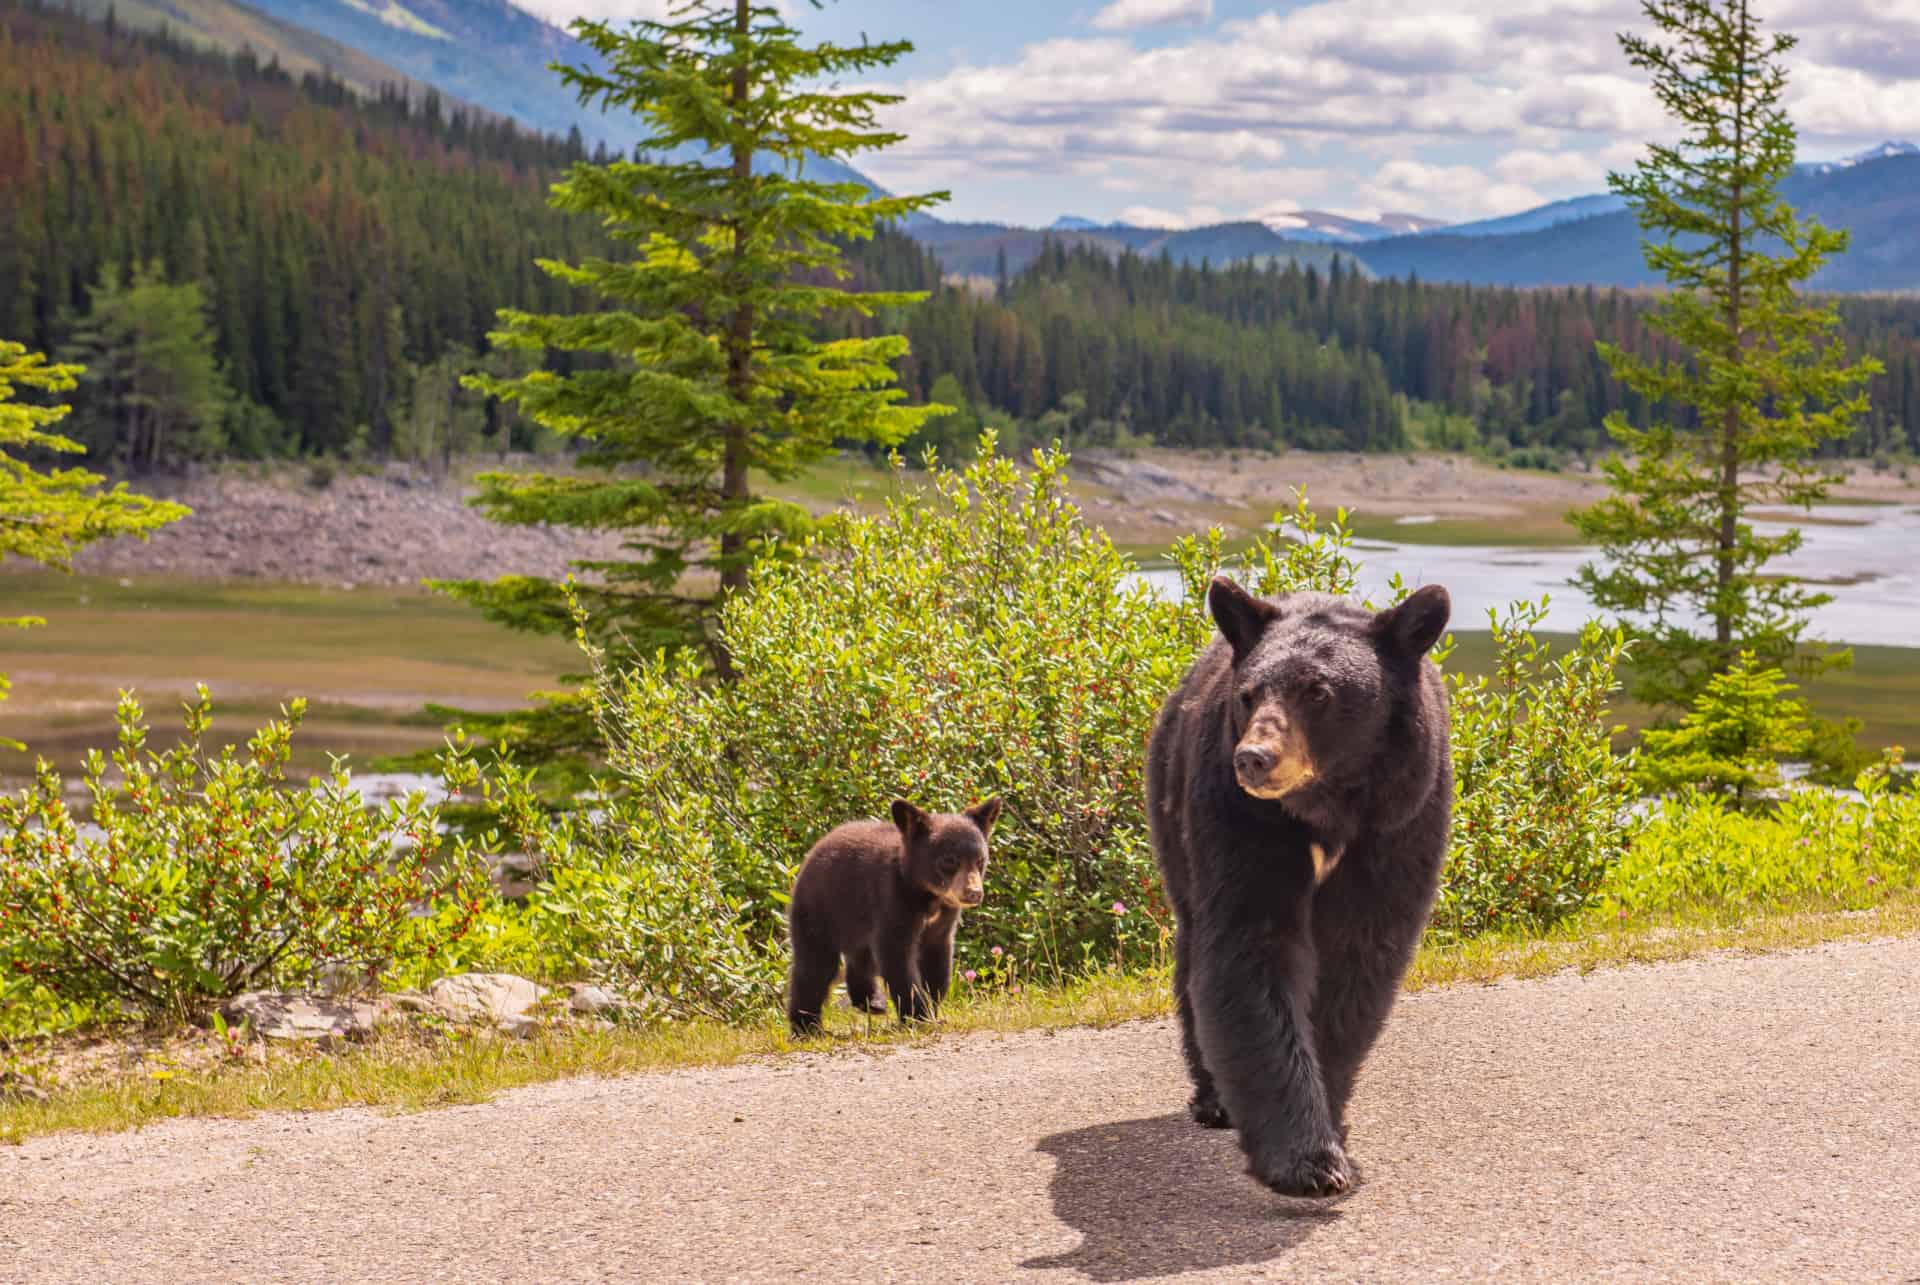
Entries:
{"x":410,"y":1070}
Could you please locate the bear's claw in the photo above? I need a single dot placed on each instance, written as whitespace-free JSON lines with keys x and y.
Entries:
{"x":1323,"y":1171}
{"x":1207,"y":1112}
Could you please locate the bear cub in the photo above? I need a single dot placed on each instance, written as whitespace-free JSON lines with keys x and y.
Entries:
{"x":1300,"y":793}
{"x":888,"y":899}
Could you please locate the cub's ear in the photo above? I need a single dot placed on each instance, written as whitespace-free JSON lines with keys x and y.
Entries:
{"x":1241,"y":616}
{"x":984,"y":815}
{"x":1413,"y":627}
{"x":911,"y":820}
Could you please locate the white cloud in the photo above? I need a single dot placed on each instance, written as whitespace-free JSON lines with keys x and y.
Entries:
{"x":1194,"y":216}
{"x":1414,"y":187}
{"x":1455,"y":108}
{"x":1131,"y":15}
{"x":562,"y":12}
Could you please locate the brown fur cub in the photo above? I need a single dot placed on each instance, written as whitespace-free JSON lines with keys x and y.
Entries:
{"x":888,"y":899}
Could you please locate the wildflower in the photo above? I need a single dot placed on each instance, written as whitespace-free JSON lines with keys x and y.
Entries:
{"x":1015,"y":990}
{"x":1119,"y":907}
{"x":971,"y":976}
{"x":996,"y":952}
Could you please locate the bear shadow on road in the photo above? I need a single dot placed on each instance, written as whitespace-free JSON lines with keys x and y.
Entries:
{"x":1160,"y":1196}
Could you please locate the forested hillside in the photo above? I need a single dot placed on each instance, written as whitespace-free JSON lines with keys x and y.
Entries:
{"x":329,"y":242}
{"x":255,"y":265}
{"x":1248,"y":355}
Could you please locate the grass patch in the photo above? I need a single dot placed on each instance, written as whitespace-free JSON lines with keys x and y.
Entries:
{"x":366,"y":659}
{"x":1882,"y":689}
{"x":1538,"y":527}
{"x":405,"y":1071}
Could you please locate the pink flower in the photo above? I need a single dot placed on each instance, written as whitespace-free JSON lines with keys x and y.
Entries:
{"x":1016,"y":990}
{"x":971,"y":976}
{"x":996,"y":952}
{"x":1872,"y":880}
{"x":1119,"y":907}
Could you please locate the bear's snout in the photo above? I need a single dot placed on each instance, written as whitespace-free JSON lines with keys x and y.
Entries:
{"x":973,"y":890}
{"x":1271,"y":761}
{"x":1252,"y":763}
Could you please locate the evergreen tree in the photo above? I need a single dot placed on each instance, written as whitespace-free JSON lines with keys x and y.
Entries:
{"x":709,"y":372}
{"x":154,"y":395}
{"x":46,"y":516}
{"x":1758,"y":379}
{"x":1732,"y":740}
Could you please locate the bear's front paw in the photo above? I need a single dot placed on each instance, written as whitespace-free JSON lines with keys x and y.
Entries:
{"x":1206,"y":1110}
{"x":1322,"y":1171}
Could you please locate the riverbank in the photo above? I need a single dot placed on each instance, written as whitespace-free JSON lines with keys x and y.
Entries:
{"x":395,"y":526}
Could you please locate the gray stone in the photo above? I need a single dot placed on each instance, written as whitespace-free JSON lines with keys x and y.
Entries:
{"x":485,"y":997}
{"x":290,"y":1015}
{"x":591,"y":999}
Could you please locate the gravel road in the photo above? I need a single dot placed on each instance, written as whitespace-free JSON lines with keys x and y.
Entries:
{"x":1726,"y":1119}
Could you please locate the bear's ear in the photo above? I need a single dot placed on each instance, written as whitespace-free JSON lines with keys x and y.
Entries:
{"x":1241,"y":616}
{"x":911,"y":820}
{"x":984,"y":815}
{"x":1413,"y":627}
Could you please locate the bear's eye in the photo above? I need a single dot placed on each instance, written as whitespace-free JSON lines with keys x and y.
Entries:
{"x":1319,"y":694}
{"x":1246,"y":702}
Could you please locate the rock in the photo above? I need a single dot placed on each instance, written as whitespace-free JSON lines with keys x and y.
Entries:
{"x":291,"y":1015}
{"x":591,"y":999}
{"x":410,"y":1002}
{"x":500,"y":998}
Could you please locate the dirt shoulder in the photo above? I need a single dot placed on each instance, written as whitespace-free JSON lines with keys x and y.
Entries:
{"x":1733,"y":1118}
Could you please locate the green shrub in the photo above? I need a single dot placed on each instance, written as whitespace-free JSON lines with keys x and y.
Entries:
{"x":979,"y":638}
{"x":1697,"y":850}
{"x":647,"y":894}
{"x":211,"y":877}
{"x":1541,"y":800}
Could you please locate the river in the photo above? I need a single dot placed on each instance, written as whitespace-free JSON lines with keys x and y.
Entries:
{"x":1867,"y":557}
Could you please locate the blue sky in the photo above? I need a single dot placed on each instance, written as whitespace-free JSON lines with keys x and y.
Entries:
{"x":1188,"y":111}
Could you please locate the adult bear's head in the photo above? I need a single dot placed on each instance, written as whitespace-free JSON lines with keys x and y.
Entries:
{"x":1316,"y":680}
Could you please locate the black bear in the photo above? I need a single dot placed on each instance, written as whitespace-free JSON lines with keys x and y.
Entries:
{"x":1299,"y":791}
{"x":888,"y":898}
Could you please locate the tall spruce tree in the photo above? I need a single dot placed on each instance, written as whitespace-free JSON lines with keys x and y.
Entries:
{"x":703,"y":376}
{"x":1759,"y":380}
{"x":46,"y":516}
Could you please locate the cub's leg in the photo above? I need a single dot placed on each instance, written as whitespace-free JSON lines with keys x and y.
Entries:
{"x":936,"y":957}
{"x":899,"y":959}
{"x":815,"y":961}
{"x":862,"y":992}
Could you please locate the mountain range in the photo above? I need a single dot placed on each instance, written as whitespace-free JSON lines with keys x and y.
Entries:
{"x":493,"y":57}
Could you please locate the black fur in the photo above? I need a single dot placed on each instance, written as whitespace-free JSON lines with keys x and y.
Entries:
{"x":887,"y":898}
{"x":1283,"y":985}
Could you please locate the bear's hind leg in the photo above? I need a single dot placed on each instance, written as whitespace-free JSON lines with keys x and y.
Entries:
{"x":815,"y":961}
{"x":1204,"y":1106}
{"x":1357,"y":989}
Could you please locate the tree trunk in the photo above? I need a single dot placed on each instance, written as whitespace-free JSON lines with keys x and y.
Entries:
{"x":1729,"y":500}
{"x":739,"y":345}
